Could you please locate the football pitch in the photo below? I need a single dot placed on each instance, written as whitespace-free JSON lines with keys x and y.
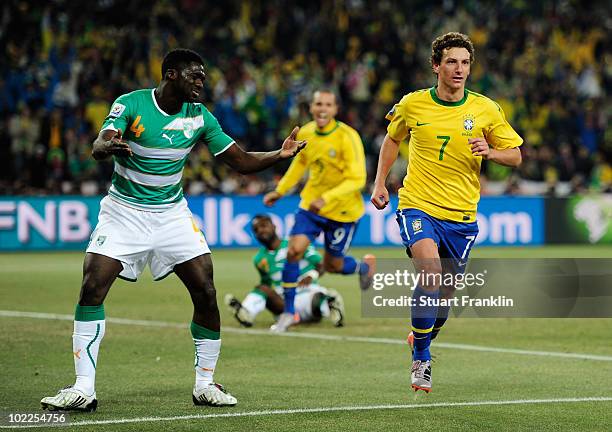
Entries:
{"x":488,"y":374}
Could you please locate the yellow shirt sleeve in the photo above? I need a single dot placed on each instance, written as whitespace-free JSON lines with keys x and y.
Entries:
{"x":355,"y":173}
{"x":397,"y":128}
{"x":294,"y":174}
{"x":500,"y":134}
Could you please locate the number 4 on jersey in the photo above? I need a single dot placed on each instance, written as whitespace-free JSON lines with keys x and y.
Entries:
{"x":137,"y":128}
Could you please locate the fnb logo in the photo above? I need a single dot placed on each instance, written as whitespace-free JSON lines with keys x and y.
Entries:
{"x":66,"y":221}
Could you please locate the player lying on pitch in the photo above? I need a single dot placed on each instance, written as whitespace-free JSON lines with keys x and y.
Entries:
{"x":312,"y":301}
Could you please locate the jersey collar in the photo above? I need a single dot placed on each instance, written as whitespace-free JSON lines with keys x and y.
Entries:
{"x":331,"y":127}
{"x":157,"y":106}
{"x":434,"y":96}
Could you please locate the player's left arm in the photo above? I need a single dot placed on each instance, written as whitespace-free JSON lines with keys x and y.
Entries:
{"x":354,"y":174}
{"x":250,"y":162}
{"x":315,"y":260}
{"x":500,"y":143}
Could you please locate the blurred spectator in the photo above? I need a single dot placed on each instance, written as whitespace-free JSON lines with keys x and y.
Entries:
{"x":546,"y":63}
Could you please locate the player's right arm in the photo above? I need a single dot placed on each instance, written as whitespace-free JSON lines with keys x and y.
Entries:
{"x":396,"y":132}
{"x":387,"y":156}
{"x":109,"y":141}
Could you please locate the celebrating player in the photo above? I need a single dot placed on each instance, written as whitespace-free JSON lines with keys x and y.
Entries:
{"x":144,"y":219}
{"x":331,"y":199}
{"x":312,"y":301}
{"x":451,"y":130}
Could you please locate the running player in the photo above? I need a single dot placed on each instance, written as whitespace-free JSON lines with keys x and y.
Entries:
{"x":451,"y":130}
{"x":331,"y":199}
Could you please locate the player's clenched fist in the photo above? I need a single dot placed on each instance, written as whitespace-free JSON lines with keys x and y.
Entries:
{"x":480,"y":147}
{"x":380,"y":197}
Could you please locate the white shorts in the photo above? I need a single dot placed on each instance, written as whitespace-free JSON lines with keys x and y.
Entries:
{"x":303,"y":300}
{"x":139,"y":237}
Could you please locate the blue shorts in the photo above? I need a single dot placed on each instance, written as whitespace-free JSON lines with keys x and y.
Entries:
{"x":454,"y":239}
{"x":338,"y":235}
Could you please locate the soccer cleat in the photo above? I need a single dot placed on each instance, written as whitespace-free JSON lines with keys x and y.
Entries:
{"x":421,"y":375}
{"x":285,"y":320}
{"x":213,"y":394}
{"x":70,"y":399}
{"x":365,"y":279}
{"x":240,"y":313}
{"x":336,"y":308}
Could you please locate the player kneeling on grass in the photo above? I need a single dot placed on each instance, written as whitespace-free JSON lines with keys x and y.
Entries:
{"x":145,"y":219}
{"x":312,"y":301}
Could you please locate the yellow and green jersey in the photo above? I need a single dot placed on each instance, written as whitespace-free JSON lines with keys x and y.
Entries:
{"x":270,"y":263}
{"x":335,"y":161}
{"x":160,"y":142}
{"x":443,"y":177}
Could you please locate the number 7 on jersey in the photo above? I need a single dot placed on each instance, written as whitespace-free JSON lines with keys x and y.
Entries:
{"x":446,"y":139}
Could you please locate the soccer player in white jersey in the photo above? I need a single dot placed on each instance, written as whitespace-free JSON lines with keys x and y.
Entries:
{"x":144,"y":219}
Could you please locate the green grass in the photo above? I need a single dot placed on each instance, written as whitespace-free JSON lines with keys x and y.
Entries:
{"x":147,"y":371}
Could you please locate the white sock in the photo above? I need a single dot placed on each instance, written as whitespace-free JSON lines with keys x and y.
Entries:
{"x":324,"y":308}
{"x":254,"y":304}
{"x":207,"y":354}
{"x":86,"y":340}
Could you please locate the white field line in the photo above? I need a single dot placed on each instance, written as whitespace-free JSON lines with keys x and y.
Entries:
{"x":323,"y":410}
{"x":317,"y":336}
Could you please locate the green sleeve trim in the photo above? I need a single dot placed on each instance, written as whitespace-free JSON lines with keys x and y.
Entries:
{"x":89,"y":313}
{"x":199,"y":332}
{"x":214,"y":137}
{"x":260,"y":293}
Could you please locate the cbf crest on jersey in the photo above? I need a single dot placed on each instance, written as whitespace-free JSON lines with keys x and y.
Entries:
{"x":468,"y":124}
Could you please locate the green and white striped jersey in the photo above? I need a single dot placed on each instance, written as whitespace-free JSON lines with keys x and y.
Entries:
{"x":269,"y":263}
{"x":160,"y":142}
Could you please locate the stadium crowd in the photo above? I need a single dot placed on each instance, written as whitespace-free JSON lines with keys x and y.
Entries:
{"x":546,"y":63}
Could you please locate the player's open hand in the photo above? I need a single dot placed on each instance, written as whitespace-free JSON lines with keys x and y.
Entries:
{"x":117,"y":146}
{"x":380,"y":197}
{"x":480,"y":147}
{"x":316,"y":205}
{"x":291,"y":146}
{"x":270,"y":198}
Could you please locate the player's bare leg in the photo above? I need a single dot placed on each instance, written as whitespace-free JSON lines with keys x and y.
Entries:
{"x":99,"y":273}
{"x":295,"y":251}
{"x":197,"y":275}
{"x":426,"y":261}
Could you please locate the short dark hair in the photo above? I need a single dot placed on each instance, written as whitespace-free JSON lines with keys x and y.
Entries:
{"x":261,"y":216}
{"x":179,"y":57}
{"x":450,"y":40}
{"x":327,"y":89}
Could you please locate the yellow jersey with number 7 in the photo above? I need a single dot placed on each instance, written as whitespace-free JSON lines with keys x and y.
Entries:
{"x":443,"y":177}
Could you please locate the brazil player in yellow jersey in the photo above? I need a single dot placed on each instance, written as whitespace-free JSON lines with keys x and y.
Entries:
{"x":331,"y":200}
{"x":450,"y":131}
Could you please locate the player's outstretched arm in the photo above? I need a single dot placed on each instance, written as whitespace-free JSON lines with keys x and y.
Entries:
{"x":110,"y":142}
{"x":250,"y":162}
{"x":386,"y":158}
